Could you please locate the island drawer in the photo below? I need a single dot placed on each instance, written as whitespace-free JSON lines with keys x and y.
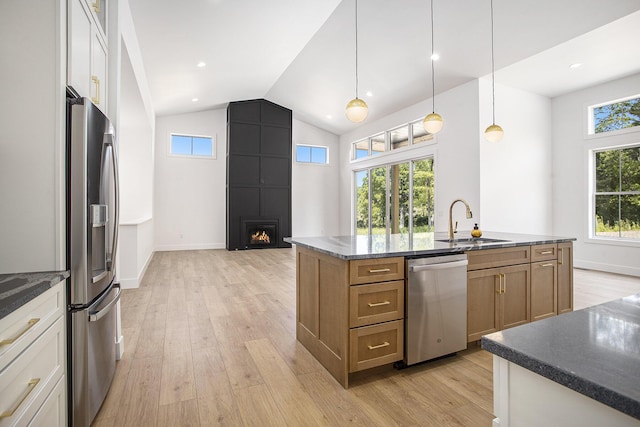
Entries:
{"x":490,"y":258}
{"x":376,"y":303}
{"x":544,"y":252}
{"x":376,"y":345}
{"x":376,"y":270}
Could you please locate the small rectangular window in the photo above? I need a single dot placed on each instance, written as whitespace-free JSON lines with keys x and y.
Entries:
{"x":361,"y":149}
{"x":612,"y":116}
{"x":312,"y":154}
{"x":192,"y":146}
{"x":399,"y":138}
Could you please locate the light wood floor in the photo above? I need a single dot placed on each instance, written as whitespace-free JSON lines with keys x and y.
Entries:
{"x":210,"y":340}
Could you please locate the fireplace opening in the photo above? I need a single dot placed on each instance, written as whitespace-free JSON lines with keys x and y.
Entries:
{"x":260,"y":234}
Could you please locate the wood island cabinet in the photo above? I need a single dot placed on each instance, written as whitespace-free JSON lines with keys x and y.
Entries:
{"x":350,"y":314}
{"x":565,"y":277}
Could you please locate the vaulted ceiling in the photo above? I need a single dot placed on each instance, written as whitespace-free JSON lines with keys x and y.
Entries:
{"x":301,"y":53}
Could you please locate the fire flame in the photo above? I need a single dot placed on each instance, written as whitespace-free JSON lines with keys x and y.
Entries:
{"x":260,"y":236}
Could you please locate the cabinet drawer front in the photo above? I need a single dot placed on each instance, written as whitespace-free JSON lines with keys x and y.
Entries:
{"x":544,"y":252}
{"x":376,"y":270}
{"x":23,"y":326}
{"x":376,"y":303}
{"x":376,"y":345}
{"x":28,"y":380}
{"x":489,"y":258}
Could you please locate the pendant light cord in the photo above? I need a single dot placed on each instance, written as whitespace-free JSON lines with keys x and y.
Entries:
{"x":433,"y":76}
{"x":493,"y":66}
{"x":356,"y":48}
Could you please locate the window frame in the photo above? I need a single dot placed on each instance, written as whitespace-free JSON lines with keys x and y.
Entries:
{"x":213,"y":155}
{"x":592,"y":237}
{"x":590,"y":130}
{"x":387,"y":141}
{"x":324,"y":147}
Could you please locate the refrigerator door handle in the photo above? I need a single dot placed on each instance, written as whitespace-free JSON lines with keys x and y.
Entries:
{"x":110,"y":142}
{"x":97,"y":315}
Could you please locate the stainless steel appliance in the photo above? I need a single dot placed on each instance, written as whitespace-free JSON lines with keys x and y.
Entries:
{"x":92,"y":203}
{"x":436,"y":307}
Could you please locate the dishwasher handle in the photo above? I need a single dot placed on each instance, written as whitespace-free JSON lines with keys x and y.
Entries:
{"x":439,"y":266}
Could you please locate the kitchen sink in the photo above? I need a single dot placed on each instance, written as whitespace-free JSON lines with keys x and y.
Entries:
{"x":472,"y":240}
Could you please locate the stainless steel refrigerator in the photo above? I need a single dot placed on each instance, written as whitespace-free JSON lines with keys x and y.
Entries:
{"x":92,"y":221}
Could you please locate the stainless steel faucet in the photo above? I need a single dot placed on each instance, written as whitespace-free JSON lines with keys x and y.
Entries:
{"x":469,"y":215}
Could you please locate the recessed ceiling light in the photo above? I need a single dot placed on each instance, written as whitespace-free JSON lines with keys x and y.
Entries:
{"x":194,"y":100}
{"x":435,"y":57}
{"x":369,"y":93}
{"x":576,"y":65}
{"x":329,"y":116}
{"x":201,"y":64}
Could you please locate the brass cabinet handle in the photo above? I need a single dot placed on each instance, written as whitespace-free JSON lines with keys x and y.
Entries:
{"x":31,"y":385}
{"x":30,"y":324}
{"x":545,"y":252}
{"x":96,"y":6}
{"x":96,"y":81}
{"x":380,"y":270}
{"x":504,"y":283}
{"x":384,"y":344}
{"x":546,"y":265}
{"x":378,"y":304}
{"x":560,"y":256}
{"x":502,"y":288}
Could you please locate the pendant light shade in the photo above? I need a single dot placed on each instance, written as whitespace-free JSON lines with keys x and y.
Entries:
{"x":494,"y":132}
{"x":357,"y":109}
{"x":433,"y":122}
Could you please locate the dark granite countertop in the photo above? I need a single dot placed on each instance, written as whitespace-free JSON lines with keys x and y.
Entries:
{"x":594,"y":351}
{"x":418,"y":244}
{"x":18,"y":289}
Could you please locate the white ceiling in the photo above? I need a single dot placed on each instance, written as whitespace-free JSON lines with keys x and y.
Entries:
{"x":301,"y":53}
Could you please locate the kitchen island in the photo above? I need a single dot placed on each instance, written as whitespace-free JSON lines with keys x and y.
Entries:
{"x":581,"y":368}
{"x":350,"y":290}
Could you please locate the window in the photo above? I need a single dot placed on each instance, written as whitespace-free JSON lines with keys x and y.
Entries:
{"x":401,"y":137}
{"x":616,"y":196}
{"x":192,"y":145}
{"x":312,"y":154}
{"x":615,"y":115}
{"x":395,"y":198}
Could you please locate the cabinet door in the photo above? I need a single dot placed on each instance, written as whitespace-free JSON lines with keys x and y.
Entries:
{"x":98,"y":71}
{"x":565,"y":277}
{"x":80,"y":40}
{"x":544,"y":290}
{"x":483,"y":299}
{"x":515,"y":296}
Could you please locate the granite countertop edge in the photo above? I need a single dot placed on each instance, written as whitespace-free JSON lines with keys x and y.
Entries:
{"x":598,"y":392}
{"x":17,"y":289}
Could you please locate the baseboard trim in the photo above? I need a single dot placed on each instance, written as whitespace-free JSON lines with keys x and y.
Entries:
{"x":609,"y":268}
{"x":190,"y":247}
{"x":134,"y":283}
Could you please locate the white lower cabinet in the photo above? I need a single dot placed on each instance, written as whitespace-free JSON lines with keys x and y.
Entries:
{"x":33,"y":384}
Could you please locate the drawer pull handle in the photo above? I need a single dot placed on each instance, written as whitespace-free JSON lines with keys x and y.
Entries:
{"x":545,"y":252}
{"x":380,"y":270}
{"x":546,"y":265}
{"x":378,"y":304}
{"x":96,"y":82}
{"x":384,"y":344}
{"x":561,"y":256}
{"x":31,"y":385}
{"x":21,"y":333}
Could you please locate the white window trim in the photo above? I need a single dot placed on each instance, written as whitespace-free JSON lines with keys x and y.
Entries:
{"x":311,"y":163}
{"x":592,"y":238}
{"x":185,"y":156}
{"x":590,"y":132}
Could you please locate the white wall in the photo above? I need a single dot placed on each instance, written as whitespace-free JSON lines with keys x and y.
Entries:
{"x":456,"y":155}
{"x":189,"y":193}
{"x":515,"y":173}
{"x":571,"y":176}
{"x":32,"y":142}
{"x":315,"y":188}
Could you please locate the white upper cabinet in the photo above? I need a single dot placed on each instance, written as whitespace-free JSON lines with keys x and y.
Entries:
{"x":87,"y":50}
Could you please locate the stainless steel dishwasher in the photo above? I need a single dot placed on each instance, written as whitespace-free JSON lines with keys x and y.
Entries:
{"x":436,"y":307}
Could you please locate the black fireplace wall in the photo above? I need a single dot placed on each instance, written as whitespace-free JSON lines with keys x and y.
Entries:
{"x":258,"y":168}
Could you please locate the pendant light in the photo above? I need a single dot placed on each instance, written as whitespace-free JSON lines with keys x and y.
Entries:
{"x":494,"y":132}
{"x":433,"y":123}
{"x":357,"y":109}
